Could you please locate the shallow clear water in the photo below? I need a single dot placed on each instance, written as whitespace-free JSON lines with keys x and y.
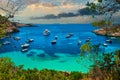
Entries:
{"x":63,"y":56}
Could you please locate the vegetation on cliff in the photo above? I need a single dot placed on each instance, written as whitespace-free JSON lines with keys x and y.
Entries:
{"x":112,"y":30}
{"x":6,"y":27}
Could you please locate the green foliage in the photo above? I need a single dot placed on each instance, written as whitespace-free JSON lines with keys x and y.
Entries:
{"x":3,"y":25}
{"x":104,"y":7}
{"x":77,"y":76}
{"x":101,"y":23}
{"x":85,"y":48}
{"x":8,"y":71}
{"x":91,"y":7}
{"x":2,"y":33}
{"x":99,"y":0}
{"x":108,"y":66}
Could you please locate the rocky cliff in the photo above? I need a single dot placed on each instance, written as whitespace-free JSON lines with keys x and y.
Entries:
{"x":6,"y":27}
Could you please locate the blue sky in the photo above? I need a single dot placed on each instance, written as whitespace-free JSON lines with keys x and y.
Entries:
{"x":55,"y":11}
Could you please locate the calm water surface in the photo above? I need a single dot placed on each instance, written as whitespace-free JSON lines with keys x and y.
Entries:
{"x":63,"y":56}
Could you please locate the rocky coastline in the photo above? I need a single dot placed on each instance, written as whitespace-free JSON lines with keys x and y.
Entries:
{"x":112,"y":31}
{"x":17,"y":24}
{"x":12,"y":27}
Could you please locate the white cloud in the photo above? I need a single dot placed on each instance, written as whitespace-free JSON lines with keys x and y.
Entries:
{"x":44,"y":8}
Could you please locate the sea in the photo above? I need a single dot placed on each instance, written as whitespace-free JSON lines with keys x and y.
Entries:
{"x":62,"y":56}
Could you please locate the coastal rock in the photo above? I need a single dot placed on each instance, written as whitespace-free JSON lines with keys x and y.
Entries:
{"x":10,"y":28}
{"x":21,"y":24}
{"x":112,"y":31}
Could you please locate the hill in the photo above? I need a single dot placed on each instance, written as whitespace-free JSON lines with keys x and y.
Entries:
{"x":6,"y":27}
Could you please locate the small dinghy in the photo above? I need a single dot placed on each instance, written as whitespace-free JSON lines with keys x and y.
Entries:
{"x":25,"y":45}
{"x":30,"y":40}
{"x":16,"y":38}
{"x":6,"y":43}
{"x":24,"y":50}
{"x":46,"y":32}
{"x":53,"y":42}
{"x":79,"y":42}
{"x":56,"y":37}
{"x":87,"y":40}
{"x":69,"y":35}
{"x":105,"y":45}
{"x":109,"y":41}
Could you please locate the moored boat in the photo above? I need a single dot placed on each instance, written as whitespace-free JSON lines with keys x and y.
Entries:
{"x":16,"y":38}
{"x":30,"y":40}
{"x":69,"y":35}
{"x":109,"y":41}
{"x":25,"y":45}
{"x":53,"y":42}
{"x":105,"y":45}
{"x":79,"y":42}
{"x":24,"y":50}
{"x":6,"y":43}
{"x":46,"y":32}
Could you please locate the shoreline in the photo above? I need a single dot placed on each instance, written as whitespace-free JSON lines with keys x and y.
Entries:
{"x":17,"y":24}
{"x":111,"y":32}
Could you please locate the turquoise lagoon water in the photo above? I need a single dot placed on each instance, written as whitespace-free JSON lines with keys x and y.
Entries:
{"x":63,"y":56}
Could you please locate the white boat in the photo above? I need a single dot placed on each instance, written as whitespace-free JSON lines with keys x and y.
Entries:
{"x":16,"y":38}
{"x":25,"y":45}
{"x":105,"y":45}
{"x":24,"y":50}
{"x":53,"y":42}
{"x":46,"y":32}
{"x":6,"y":43}
{"x":30,"y":40}
{"x":87,"y":40}
{"x":56,"y":37}
{"x":79,"y":42}
{"x":109,"y":41}
{"x":69,"y":35}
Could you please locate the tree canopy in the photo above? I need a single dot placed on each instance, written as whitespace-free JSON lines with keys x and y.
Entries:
{"x":11,"y":7}
{"x":104,"y":7}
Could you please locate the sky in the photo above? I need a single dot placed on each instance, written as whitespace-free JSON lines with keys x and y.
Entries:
{"x":55,"y":11}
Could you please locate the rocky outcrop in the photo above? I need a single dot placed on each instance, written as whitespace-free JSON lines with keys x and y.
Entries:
{"x":21,"y":24}
{"x":10,"y":28}
{"x":112,"y":31}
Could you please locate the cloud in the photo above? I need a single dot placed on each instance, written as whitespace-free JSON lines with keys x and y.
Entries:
{"x":80,"y":12}
{"x":31,"y":1}
{"x":46,"y":8}
{"x":39,"y":9}
{"x":48,"y":4}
